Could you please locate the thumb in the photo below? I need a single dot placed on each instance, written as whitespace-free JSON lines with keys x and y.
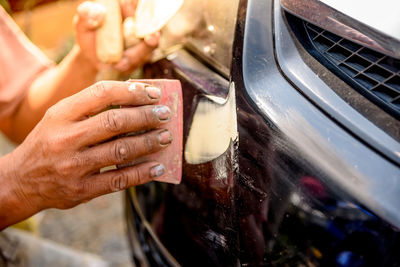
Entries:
{"x":89,"y":16}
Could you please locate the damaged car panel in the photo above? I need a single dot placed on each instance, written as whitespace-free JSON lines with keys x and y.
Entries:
{"x":298,"y":187}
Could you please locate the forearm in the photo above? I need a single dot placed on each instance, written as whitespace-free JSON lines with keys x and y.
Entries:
{"x":70,"y":76}
{"x":13,"y":205}
{"x":50,"y":168}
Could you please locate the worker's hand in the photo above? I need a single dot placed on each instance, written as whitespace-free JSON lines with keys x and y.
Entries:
{"x":58,"y":164}
{"x":128,"y":7}
{"x":89,"y":18}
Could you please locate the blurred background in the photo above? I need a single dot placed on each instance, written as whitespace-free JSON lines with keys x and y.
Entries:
{"x":98,"y":226}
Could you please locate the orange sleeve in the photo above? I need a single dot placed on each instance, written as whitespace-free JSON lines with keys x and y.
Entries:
{"x":20,"y":64}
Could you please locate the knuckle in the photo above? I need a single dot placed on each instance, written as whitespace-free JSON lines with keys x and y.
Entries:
{"x":136,"y":175}
{"x":149,"y":143}
{"x":145,"y":117}
{"x":113,"y":121}
{"x":74,"y":134}
{"x":89,"y":190}
{"x":51,"y":112}
{"x":78,"y":191}
{"x":85,"y":189}
{"x":118,"y":182}
{"x":61,"y":141}
{"x":121,"y":150}
{"x":58,"y":111}
{"x":69,"y":166}
{"x":148,"y":116}
{"x":140,"y":176}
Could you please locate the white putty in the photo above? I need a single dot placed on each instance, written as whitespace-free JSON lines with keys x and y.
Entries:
{"x":132,"y":87}
{"x":213,"y":127}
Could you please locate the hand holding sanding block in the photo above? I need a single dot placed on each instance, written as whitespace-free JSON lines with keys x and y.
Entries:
{"x":109,"y":39}
{"x":171,"y":156}
{"x":150,"y":17}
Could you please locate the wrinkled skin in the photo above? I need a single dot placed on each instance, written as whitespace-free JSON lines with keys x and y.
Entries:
{"x":78,"y":70}
{"x":57,"y":166}
{"x":58,"y":163}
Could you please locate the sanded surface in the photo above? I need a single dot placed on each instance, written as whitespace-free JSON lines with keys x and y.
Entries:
{"x":171,"y":156}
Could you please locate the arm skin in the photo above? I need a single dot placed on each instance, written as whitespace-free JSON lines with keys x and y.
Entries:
{"x":58,"y":164}
{"x":77,"y":71}
{"x":69,"y":77}
{"x":12,"y":208}
{"x":64,"y":146}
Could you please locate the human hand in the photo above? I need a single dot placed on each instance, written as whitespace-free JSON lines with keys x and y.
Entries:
{"x":89,"y":18}
{"x":57,"y":166}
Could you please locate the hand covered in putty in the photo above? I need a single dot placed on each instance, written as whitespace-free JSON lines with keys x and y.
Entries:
{"x":58,"y":165}
{"x":89,"y":18}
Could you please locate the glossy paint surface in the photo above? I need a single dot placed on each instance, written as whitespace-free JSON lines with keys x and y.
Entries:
{"x":293,"y":66}
{"x":296,"y":190}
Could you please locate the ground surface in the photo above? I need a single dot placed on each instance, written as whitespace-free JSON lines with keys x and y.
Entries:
{"x":97,"y":226}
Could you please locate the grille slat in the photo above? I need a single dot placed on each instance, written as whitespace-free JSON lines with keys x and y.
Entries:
{"x":374,"y":74}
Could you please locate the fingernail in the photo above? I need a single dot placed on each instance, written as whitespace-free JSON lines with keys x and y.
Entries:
{"x":153,"y":92}
{"x":157,"y":171}
{"x":162,"y":113}
{"x":165,"y":137}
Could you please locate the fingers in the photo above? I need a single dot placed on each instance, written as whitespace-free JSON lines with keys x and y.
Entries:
{"x":138,"y":55}
{"x":117,"y":180}
{"x":115,"y":122}
{"x":90,"y":15}
{"x":128,"y":8}
{"x":126,"y":149}
{"x":101,"y":95}
{"x":152,"y":39}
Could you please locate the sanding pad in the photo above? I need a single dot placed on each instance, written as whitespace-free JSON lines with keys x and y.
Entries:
{"x":171,"y":156}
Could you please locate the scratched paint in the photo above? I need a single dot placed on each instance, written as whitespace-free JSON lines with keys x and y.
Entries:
{"x":213,"y":128}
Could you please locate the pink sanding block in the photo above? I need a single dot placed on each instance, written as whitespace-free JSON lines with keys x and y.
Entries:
{"x":171,"y":156}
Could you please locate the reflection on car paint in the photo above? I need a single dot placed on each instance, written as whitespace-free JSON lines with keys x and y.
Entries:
{"x":260,"y":203}
{"x":275,"y":209}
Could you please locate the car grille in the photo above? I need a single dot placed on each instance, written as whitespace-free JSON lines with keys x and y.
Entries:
{"x":371,"y":73}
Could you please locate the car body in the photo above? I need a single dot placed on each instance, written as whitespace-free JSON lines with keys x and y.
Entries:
{"x":312,"y":178}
